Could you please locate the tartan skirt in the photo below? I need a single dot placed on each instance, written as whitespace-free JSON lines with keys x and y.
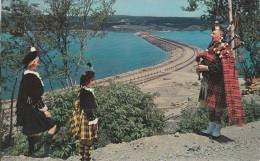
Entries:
{"x":80,"y":128}
{"x":87,"y":132}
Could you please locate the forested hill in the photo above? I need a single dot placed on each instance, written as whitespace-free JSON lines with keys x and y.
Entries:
{"x":127,"y":23}
{"x":155,"y":23}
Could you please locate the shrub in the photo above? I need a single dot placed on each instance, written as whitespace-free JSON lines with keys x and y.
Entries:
{"x":193,"y":119}
{"x":196,"y":119}
{"x":127,"y":113}
{"x":252,"y":111}
{"x":20,"y":145}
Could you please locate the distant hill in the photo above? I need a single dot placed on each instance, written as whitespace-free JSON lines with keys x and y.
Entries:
{"x":137,"y":23}
{"x":133,"y":23}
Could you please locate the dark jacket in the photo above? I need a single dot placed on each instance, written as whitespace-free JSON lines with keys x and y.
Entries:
{"x":88,"y":104}
{"x":29,"y":104}
{"x":215,"y":72}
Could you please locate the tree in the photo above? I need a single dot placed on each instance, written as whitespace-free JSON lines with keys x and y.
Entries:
{"x":246,"y":15}
{"x":85,"y":18}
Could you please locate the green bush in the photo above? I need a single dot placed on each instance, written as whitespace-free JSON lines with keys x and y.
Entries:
{"x":20,"y":145}
{"x":196,"y":119}
{"x":125,"y":113}
{"x":252,"y":111}
{"x":193,"y":119}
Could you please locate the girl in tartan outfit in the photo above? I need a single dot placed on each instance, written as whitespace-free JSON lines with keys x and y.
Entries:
{"x":86,"y":104}
{"x":222,"y":82}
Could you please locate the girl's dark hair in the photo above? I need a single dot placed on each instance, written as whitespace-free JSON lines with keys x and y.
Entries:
{"x":86,"y":77}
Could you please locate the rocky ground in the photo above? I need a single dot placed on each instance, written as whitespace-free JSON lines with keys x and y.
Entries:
{"x":236,"y":144}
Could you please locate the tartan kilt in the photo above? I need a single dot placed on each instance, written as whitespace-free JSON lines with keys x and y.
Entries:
{"x":79,"y":125}
{"x":87,"y":132}
{"x":216,"y":95}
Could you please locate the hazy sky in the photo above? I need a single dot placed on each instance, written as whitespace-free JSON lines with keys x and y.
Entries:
{"x":169,"y":8}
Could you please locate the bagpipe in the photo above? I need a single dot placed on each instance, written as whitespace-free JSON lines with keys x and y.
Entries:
{"x":217,"y":49}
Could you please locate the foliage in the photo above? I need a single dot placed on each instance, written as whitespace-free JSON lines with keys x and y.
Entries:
{"x":61,"y":106}
{"x":252,"y":111}
{"x":20,"y":145}
{"x":125,"y":113}
{"x":194,"y":120}
{"x":4,"y":127}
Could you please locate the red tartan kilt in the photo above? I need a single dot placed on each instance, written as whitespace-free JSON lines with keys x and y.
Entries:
{"x":215,"y":95}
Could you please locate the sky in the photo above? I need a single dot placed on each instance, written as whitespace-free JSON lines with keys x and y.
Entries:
{"x":158,"y":8}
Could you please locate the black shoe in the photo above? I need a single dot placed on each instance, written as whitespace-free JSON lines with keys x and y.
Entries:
{"x":31,"y":154}
{"x":31,"y":147}
{"x":203,"y":134}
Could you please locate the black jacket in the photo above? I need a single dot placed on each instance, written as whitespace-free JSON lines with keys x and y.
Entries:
{"x":88,"y":103}
{"x":29,"y":105}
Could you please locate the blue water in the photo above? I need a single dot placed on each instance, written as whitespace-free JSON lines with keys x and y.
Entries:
{"x":122,"y":52}
{"x":200,"y":39}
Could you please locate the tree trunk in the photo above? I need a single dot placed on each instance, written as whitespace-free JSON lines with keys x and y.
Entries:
{"x":1,"y":87}
{"x":80,"y":59}
{"x":66,"y":62}
{"x":11,"y":107}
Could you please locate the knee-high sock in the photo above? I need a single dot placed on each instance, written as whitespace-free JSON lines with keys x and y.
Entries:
{"x":81,"y":149}
{"x":87,"y":152}
{"x":85,"y":148}
{"x":212,"y":115}
{"x":31,"y":141}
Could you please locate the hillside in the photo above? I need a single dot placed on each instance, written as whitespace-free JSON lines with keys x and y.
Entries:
{"x":130,"y":23}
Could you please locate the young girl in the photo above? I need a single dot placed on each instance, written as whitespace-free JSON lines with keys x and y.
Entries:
{"x":88,"y":106}
{"x":32,"y":113}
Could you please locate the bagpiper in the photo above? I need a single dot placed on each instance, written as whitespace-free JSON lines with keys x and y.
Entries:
{"x":221,"y":79}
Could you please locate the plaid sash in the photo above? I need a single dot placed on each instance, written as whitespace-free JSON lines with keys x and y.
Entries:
{"x":233,"y":98}
{"x":76,"y":120}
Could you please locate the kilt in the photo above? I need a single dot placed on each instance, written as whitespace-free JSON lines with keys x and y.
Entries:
{"x":88,"y":132}
{"x":216,"y":95}
{"x":79,"y":125}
